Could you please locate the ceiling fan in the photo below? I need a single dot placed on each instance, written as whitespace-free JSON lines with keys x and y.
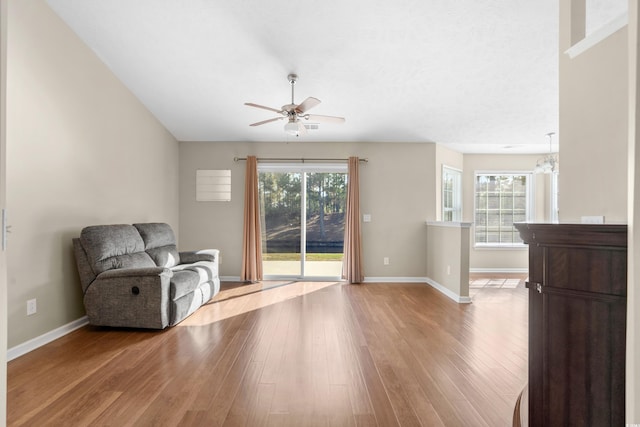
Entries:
{"x":295,"y":112}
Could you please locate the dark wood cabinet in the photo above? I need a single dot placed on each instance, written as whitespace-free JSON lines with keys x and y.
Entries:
{"x":577,"y":322}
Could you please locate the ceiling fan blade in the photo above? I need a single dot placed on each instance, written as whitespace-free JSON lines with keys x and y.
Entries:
{"x":324,"y":119}
{"x":251,"y":104}
{"x":307,"y":104}
{"x":301,"y":129}
{"x":266,"y":121}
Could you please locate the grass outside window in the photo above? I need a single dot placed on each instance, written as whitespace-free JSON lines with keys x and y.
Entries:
{"x":296,"y":257}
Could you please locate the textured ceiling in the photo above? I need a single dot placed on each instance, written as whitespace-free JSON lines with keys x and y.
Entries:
{"x":477,"y":76}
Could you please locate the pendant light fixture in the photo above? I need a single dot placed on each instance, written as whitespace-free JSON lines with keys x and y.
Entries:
{"x":549,"y":163}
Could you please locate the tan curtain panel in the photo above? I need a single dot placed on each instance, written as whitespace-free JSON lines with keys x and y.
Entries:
{"x":251,"y":238}
{"x":352,"y":269}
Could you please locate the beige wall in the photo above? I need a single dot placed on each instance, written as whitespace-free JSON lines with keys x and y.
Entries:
{"x":598,"y":139}
{"x":397,"y":190}
{"x":593,"y":127}
{"x":399,"y":212}
{"x":448,"y":258}
{"x":633,"y":296}
{"x":82,"y":150}
{"x":3,"y":181}
{"x":499,"y":259}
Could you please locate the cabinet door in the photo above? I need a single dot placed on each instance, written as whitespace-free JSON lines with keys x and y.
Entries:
{"x":579,"y":352}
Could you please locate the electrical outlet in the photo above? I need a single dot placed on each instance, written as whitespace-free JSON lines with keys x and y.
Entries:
{"x":385,"y":260}
{"x":32,"y":307}
{"x":448,"y":270}
{"x":595,"y":219}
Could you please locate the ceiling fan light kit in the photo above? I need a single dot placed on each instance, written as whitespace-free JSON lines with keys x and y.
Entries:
{"x":294,"y":113}
{"x":295,"y":128}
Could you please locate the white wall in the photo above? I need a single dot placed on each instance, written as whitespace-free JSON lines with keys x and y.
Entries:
{"x":82,"y":150}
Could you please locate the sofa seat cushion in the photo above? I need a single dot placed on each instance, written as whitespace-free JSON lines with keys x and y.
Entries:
{"x":206,"y":270}
{"x":183,"y":282}
{"x":114,"y":246}
{"x":159,"y":243}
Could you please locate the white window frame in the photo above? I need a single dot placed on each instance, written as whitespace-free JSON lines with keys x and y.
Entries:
{"x":285,"y":167}
{"x":456,"y":194}
{"x":554,"y":215}
{"x":302,"y":169}
{"x":530,"y":207}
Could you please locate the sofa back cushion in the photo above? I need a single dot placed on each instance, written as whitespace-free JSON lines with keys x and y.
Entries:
{"x":82,"y":261}
{"x":160,"y":243}
{"x":114,"y":246}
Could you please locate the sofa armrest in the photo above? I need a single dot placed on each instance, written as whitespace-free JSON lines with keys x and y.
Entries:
{"x":190,"y":257}
{"x":135,"y":272}
{"x":130,"y":297}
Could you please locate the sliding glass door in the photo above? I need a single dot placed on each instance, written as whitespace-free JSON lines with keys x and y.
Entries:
{"x":302,"y":208}
{"x":280,"y":210}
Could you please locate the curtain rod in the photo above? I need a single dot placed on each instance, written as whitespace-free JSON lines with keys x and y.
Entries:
{"x":278,"y":159}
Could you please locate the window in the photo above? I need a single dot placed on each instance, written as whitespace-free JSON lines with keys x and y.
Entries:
{"x":451,"y":194}
{"x":501,"y":199}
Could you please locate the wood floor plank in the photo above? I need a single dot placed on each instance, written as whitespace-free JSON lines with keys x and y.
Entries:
{"x":338,"y":403}
{"x":259,"y":412}
{"x":298,"y":354}
{"x":382,"y":407}
{"x":392,"y":344}
{"x":245,"y":399}
{"x":441,"y":391}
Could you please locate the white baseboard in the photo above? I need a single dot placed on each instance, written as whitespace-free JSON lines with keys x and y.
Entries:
{"x":292,"y":279}
{"x":366,"y":280}
{"x":395,"y":279}
{"x":448,"y":292}
{"x":32,"y":344}
{"x":499,"y":270}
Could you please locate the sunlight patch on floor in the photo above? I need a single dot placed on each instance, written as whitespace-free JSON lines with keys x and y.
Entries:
{"x":312,"y":268}
{"x":246,"y":298}
{"x":508,"y":283}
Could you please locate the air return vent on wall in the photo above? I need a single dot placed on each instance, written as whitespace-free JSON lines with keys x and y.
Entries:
{"x":213,"y":185}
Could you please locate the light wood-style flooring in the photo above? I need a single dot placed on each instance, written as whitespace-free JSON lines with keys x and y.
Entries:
{"x":290,"y":354}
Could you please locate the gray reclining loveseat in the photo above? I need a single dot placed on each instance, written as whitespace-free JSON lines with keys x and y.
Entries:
{"x":134,"y":276}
